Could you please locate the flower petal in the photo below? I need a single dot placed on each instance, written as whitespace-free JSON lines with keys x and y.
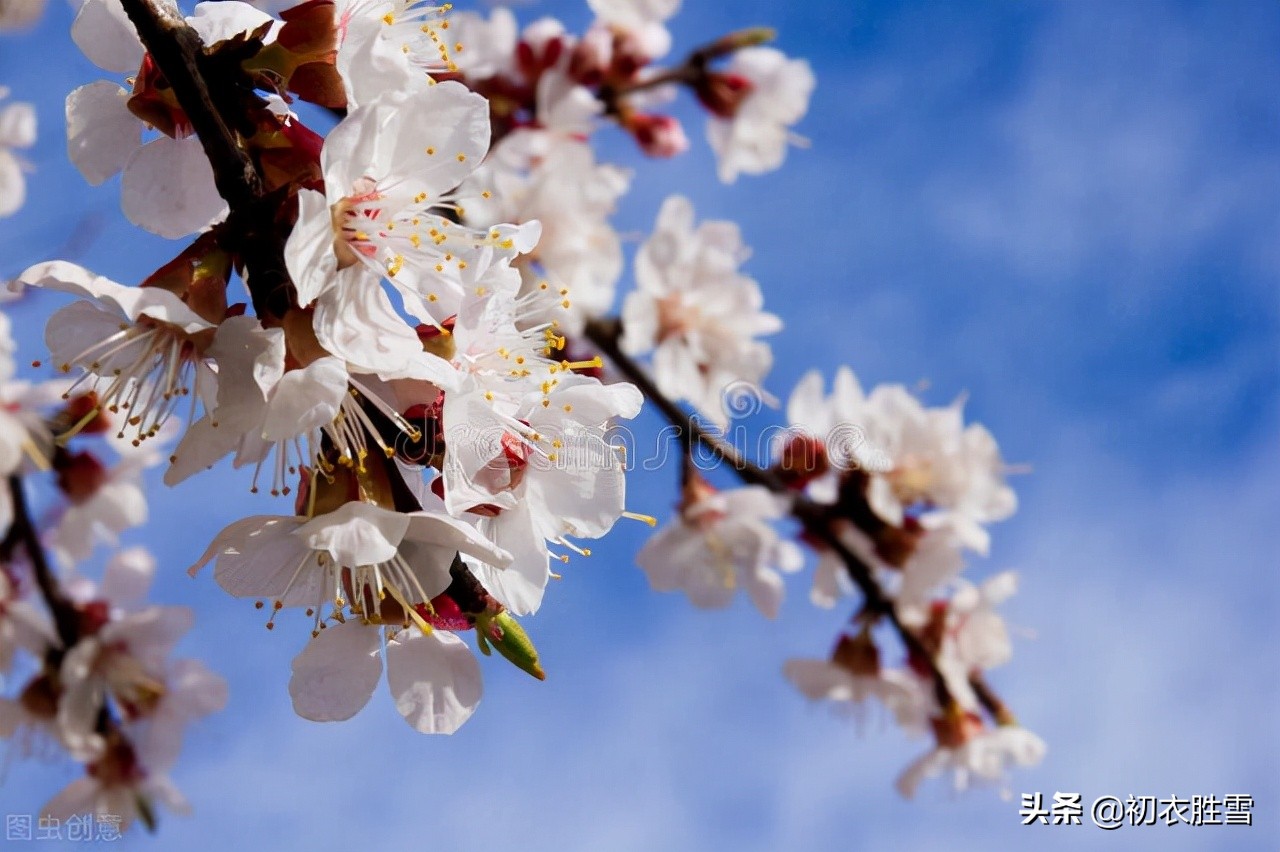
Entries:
{"x":104,"y":34}
{"x":168,"y":188}
{"x":336,"y":673}
{"x":356,"y":534}
{"x":434,"y":679}
{"x":101,"y":132}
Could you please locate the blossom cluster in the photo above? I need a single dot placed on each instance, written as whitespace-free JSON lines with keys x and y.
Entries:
{"x":396,"y":324}
{"x":92,"y":668}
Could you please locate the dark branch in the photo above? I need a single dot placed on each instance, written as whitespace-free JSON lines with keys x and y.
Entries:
{"x":250,"y":229}
{"x":23,"y":533}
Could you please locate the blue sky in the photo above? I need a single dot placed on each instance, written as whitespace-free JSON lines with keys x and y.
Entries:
{"x":1068,"y":211}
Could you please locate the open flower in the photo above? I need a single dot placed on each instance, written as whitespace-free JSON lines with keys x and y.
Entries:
{"x":923,"y":464}
{"x":142,"y":348}
{"x":572,"y":196}
{"x":124,"y":661}
{"x":525,"y":443}
{"x":696,"y":311}
{"x":389,"y":171}
{"x":371,"y":568}
{"x":722,"y":541}
{"x":853,"y":675}
{"x":765,"y":93}
{"x":972,"y":753}
{"x":391,"y":46}
{"x":125,"y":782}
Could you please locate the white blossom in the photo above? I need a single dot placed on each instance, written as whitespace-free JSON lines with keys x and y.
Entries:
{"x":356,"y":558}
{"x":696,"y":311}
{"x":722,"y":541}
{"x":167,"y":185}
{"x":142,"y":347}
{"x":753,"y":140}
{"x":390,"y":168}
{"x":17,"y":130}
{"x":982,"y":757}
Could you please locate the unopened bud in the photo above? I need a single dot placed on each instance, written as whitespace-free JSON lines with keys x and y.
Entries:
{"x":955,"y":727}
{"x":592,"y":56}
{"x":540,"y":47}
{"x":802,"y":460}
{"x":503,"y":632}
{"x":80,"y":475}
{"x":658,"y":135}
{"x":723,"y":94}
{"x":857,"y":654}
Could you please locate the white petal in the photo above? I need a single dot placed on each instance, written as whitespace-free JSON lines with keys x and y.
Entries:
{"x":392,"y":134}
{"x":437,"y":528}
{"x":818,"y":679}
{"x":766,"y":590}
{"x":13,"y":185}
{"x":305,"y":399}
{"x":434,"y":679}
{"x":128,"y":576}
{"x":101,"y":132}
{"x":519,"y":586}
{"x":104,"y":33}
{"x":258,"y":556}
{"x":215,"y":22}
{"x":308,"y":253}
{"x":168,"y":188}
{"x":336,"y":673}
{"x":150,"y":635}
{"x":356,"y":321}
{"x":81,"y":796}
{"x":371,"y":63}
{"x":356,"y":534}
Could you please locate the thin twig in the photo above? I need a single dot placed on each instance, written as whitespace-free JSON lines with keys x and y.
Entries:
{"x":23,"y":532}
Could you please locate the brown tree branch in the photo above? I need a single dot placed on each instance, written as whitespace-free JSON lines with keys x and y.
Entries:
{"x":180,"y":55}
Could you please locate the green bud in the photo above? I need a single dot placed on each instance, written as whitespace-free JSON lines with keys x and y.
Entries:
{"x":505,"y":633}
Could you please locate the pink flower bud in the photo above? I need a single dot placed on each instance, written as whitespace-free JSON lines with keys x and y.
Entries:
{"x":592,"y":56}
{"x":658,"y":135}
{"x":723,"y":94}
{"x":541,"y":46}
{"x":80,"y":476}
